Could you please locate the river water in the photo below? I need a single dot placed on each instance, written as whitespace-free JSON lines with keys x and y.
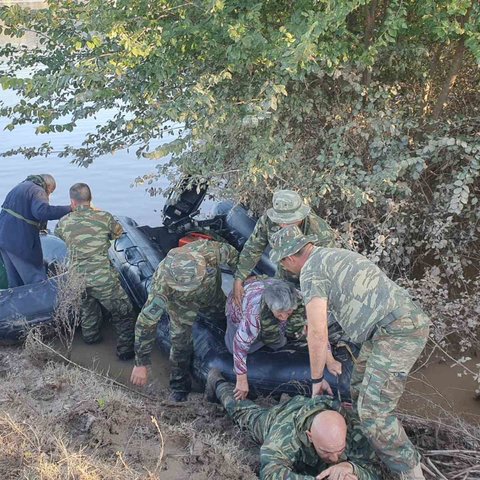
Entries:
{"x":110,"y":176}
{"x":434,"y":389}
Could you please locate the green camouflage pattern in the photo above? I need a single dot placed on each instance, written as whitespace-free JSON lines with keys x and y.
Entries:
{"x":88,"y":234}
{"x":184,"y":270}
{"x":286,"y":452}
{"x":270,"y":333}
{"x":112,"y":298}
{"x":359,"y":293}
{"x":378,"y":382}
{"x":183,"y":307}
{"x":375,"y":311}
{"x":261,"y":237}
{"x":288,"y":207}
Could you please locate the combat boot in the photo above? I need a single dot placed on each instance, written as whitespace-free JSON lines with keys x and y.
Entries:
{"x":178,"y":396}
{"x":213,"y":379}
{"x":414,"y":474}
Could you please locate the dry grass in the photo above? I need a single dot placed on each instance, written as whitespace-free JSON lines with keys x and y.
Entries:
{"x":32,"y":451}
{"x":59,"y":422}
{"x":66,"y":317}
{"x":68,"y":423}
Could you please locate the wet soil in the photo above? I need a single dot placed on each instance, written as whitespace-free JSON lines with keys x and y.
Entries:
{"x":437,"y":390}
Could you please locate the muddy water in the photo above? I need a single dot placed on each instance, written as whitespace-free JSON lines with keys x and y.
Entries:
{"x":436,"y":391}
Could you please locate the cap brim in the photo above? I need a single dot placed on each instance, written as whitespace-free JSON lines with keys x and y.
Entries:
{"x":277,"y":255}
{"x":288,"y":218}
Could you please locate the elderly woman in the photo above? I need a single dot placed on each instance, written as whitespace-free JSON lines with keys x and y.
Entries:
{"x":260,"y":321}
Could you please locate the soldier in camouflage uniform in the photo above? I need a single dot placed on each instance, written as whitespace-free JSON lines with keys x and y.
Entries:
{"x":88,"y":233}
{"x":373,"y":311}
{"x":187,"y":280}
{"x":303,"y":438}
{"x":288,"y":208}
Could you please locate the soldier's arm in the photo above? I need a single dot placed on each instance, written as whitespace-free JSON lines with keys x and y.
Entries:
{"x":116,"y":229}
{"x":145,"y":328}
{"x":227,"y":255}
{"x":278,"y":456}
{"x":325,"y":234}
{"x":253,"y":249}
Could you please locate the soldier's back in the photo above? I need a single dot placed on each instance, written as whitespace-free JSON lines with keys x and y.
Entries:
{"x":88,"y":234}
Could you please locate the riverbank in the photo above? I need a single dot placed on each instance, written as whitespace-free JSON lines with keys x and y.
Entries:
{"x":59,"y":422}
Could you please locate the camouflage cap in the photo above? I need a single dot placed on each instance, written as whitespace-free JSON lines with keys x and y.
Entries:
{"x":288,"y":241}
{"x":184,"y":271}
{"x":288,"y":207}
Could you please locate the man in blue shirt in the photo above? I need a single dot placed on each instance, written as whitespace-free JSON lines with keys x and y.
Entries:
{"x":25,"y":212}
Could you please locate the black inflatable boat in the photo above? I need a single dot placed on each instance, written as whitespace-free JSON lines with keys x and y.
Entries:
{"x":136,"y":255}
{"x":23,"y":308}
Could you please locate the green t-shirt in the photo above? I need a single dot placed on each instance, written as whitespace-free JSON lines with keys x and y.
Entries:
{"x":358,"y":293}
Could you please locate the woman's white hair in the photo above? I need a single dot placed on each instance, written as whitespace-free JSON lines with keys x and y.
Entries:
{"x":280,"y":296}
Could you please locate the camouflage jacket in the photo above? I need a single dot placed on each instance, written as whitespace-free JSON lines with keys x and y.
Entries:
{"x":359,"y":293}
{"x":162,"y":296}
{"x":265,"y":228}
{"x":88,"y":234}
{"x":287,"y":453}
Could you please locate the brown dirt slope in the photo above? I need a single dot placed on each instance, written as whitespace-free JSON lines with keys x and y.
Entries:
{"x":58,"y":422}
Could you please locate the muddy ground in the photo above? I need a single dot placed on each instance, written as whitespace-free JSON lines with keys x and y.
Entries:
{"x":59,"y":421}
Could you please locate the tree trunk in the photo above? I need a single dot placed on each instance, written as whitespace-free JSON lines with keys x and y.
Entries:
{"x":433,"y":70}
{"x":453,"y":73}
{"x":450,"y":80}
{"x":368,"y":36}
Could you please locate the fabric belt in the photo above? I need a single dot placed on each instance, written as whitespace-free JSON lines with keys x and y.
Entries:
{"x":21,"y":217}
{"x":391,"y":317}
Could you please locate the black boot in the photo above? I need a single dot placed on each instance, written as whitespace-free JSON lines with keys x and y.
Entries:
{"x":178,"y":396}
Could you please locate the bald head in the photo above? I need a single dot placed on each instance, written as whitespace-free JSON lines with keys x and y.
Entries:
{"x":328,"y":435}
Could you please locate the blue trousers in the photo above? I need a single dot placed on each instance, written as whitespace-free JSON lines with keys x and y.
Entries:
{"x":20,"y":272}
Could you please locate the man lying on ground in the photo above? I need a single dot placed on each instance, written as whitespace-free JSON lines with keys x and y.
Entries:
{"x":302,"y":439}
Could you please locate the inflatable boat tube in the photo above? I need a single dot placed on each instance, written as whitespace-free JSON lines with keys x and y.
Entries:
{"x":3,"y":275}
{"x":22,"y":308}
{"x":136,"y":255}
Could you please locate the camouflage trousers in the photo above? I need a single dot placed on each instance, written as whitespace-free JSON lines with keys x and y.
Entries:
{"x":113,"y":298}
{"x":182,"y":318}
{"x":256,"y":420}
{"x":378,"y":382}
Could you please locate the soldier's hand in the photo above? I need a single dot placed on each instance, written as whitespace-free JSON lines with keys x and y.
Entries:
{"x":241,"y":388}
{"x":321,"y":388}
{"x":334,"y":367}
{"x":341,"y":471}
{"x":238,"y":292}
{"x":139,"y":376}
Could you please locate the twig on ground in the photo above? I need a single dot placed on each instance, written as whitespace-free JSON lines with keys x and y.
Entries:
{"x":162,"y":444}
